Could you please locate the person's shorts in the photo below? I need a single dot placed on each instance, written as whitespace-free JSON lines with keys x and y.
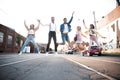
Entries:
{"x":78,"y":42}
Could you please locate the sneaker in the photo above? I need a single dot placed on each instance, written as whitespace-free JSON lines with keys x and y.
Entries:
{"x":56,"y":53}
{"x":20,"y":53}
{"x":46,"y":53}
{"x":38,"y":52}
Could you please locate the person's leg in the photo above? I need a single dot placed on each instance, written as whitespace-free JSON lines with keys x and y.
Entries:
{"x":49,"y":41}
{"x":96,"y":40}
{"x":55,"y":41}
{"x":63,"y":38}
{"x":77,"y":46}
{"x":25,"y":43}
{"x":81,"y":47}
{"x":35,"y":44}
{"x":91,"y":40}
{"x":68,"y":40}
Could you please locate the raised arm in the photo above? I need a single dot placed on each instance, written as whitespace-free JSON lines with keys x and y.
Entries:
{"x":26,"y":25}
{"x":44,"y":24}
{"x":37,"y":25}
{"x":84,"y":36}
{"x":84,"y":24}
{"x":71,"y":18}
{"x":73,"y":13}
{"x":96,"y":32}
{"x":87,"y":29}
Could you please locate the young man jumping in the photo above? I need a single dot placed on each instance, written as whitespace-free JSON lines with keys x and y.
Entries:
{"x":65,"y":28}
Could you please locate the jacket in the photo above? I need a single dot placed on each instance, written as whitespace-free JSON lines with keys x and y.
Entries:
{"x":69,"y":26}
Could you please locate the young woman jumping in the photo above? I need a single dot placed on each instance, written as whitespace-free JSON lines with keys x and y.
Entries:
{"x":31,"y":36}
{"x":79,"y":40}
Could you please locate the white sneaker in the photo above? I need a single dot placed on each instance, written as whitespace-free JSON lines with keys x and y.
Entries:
{"x":20,"y":53}
{"x":56,"y":53}
{"x":46,"y":53}
{"x":38,"y":52}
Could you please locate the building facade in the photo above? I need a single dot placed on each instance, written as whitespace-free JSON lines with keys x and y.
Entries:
{"x":109,"y":27}
{"x":10,"y":41}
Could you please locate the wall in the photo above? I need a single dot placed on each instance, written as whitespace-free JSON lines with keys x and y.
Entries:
{"x":10,"y":41}
{"x":109,"y":26}
{"x":113,"y":15}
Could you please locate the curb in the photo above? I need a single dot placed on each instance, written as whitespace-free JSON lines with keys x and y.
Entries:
{"x":111,"y":53}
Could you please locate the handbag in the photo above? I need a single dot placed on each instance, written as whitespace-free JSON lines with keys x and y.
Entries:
{"x":75,"y":38}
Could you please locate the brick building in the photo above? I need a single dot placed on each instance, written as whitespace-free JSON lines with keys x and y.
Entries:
{"x":10,"y":41}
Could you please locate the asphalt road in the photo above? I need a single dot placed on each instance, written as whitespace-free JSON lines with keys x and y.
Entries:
{"x":58,"y":67}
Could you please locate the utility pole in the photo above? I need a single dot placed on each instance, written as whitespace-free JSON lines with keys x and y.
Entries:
{"x":94,"y":19}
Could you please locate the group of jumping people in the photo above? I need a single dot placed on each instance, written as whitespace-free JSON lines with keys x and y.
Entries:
{"x":65,"y":28}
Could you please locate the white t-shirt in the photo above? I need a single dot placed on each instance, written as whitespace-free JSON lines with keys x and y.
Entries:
{"x":52,"y":27}
{"x":92,"y":32}
{"x":79,"y":37}
{"x":65,"y":28}
{"x":31,"y":31}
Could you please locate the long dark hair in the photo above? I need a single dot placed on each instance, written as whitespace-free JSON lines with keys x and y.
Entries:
{"x":92,"y":26}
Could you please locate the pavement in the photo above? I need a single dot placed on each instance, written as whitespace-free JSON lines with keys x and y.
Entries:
{"x":42,"y":67}
{"x":58,"y":67}
{"x":112,"y":52}
{"x":109,"y":52}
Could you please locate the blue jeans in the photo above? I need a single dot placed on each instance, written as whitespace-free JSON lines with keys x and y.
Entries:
{"x":65,"y":37}
{"x":30,"y":38}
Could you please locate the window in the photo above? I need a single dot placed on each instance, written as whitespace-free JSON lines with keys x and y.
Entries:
{"x":21,"y":43}
{"x":10,"y":41}
{"x":1,"y":37}
{"x":113,"y":27}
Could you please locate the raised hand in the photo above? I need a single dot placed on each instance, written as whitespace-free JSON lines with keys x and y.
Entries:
{"x":73,"y":13}
{"x":26,"y":25}
{"x":83,"y":21}
{"x":38,"y":20}
{"x":37,"y":25}
{"x":84,"y":24}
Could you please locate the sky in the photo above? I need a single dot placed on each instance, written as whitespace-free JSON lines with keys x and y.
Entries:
{"x":14,"y":12}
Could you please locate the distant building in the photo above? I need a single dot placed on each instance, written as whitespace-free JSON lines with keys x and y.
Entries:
{"x":109,"y":27}
{"x":10,"y":41}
